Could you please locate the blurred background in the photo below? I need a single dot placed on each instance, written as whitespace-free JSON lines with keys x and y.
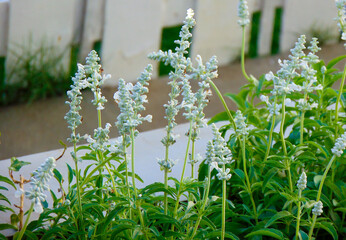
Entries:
{"x":42,"y":40}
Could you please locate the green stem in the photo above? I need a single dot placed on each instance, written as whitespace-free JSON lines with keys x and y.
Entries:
{"x":133,"y":161}
{"x":338,"y":100}
{"x":320,"y":192}
{"x":298,"y":214}
{"x":205,"y":198}
{"x":302,"y":127}
{"x":282,"y":125}
{"x":22,"y":231}
{"x":192,"y":157}
{"x":223,"y":103}
{"x":270,"y":138}
{"x":242,"y":143}
{"x":223,"y":227}
{"x":78,"y":189}
{"x":243,"y":55}
{"x":165,"y":194}
{"x":312,"y":226}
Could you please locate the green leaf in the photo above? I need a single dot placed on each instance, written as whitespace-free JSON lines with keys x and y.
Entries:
{"x":218,"y":234}
{"x":3,"y":198}
{"x":317,"y":179}
{"x":14,"y":219}
{"x":335,"y":61}
{"x":58,"y":175}
{"x":223,"y":116}
{"x":270,"y":232}
{"x":329,"y":228}
{"x":16,"y":165}
{"x":323,"y":149}
{"x":4,"y":226}
{"x":277,"y":216}
{"x":237,"y":100}
{"x":70,"y":173}
{"x":7,"y":180}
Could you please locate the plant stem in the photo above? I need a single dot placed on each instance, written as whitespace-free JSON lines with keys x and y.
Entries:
{"x":302,"y":121}
{"x":22,"y":231}
{"x":302,"y":127}
{"x":165,"y":202}
{"x":282,"y":125}
{"x":223,"y":227}
{"x":298,"y":214}
{"x":78,"y":187}
{"x":205,"y":198}
{"x":133,"y":161}
{"x":338,"y":100}
{"x":270,"y":138}
{"x":243,"y":55}
{"x":242,"y":143}
{"x":192,"y":157}
{"x":320,"y":192}
{"x":223,"y":103}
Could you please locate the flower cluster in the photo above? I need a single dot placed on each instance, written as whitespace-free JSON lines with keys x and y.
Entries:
{"x":243,"y":13}
{"x":166,"y":164}
{"x":341,"y":18}
{"x":95,"y":79}
{"x":301,"y":184}
{"x":219,"y":154}
{"x":242,"y":130}
{"x":273,"y":108}
{"x":130,"y":100}
{"x":304,"y":105}
{"x":340,"y":145}
{"x":318,"y":208}
{"x":74,"y":119}
{"x":100,"y":139}
{"x":39,"y":183}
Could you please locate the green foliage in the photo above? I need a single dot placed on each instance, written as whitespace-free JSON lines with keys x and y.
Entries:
{"x":34,"y":73}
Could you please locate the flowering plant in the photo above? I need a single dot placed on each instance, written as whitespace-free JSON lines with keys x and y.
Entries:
{"x":274,"y":171}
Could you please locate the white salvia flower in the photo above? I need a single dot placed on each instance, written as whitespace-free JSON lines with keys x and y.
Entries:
{"x":130,"y":100}
{"x":318,"y":208}
{"x":223,"y":175}
{"x":243,"y":13}
{"x":341,"y":18}
{"x":304,"y":105}
{"x":95,"y":79}
{"x":166,"y":164}
{"x":301,"y":184}
{"x":197,"y":158}
{"x":242,"y":129}
{"x":340,"y":145}
{"x":222,"y":154}
{"x":100,"y":139}
{"x":39,"y":183}
{"x":18,"y":193}
{"x":273,"y":108}
{"x":74,"y":119}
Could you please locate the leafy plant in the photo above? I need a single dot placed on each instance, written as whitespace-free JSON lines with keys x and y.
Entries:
{"x":34,"y":73}
{"x":274,"y":171}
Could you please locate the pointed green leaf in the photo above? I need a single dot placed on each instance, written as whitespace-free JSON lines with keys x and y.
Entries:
{"x":330,"y":229}
{"x":277,"y":216}
{"x":16,"y":165}
{"x":7,"y":180}
{"x":270,"y":232}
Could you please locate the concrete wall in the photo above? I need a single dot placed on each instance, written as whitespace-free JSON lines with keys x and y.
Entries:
{"x":130,"y":29}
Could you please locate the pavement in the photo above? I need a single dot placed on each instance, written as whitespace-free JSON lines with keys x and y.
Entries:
{"x":37,"y":127}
